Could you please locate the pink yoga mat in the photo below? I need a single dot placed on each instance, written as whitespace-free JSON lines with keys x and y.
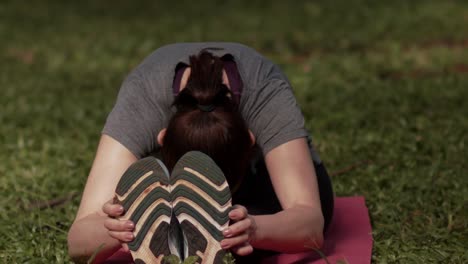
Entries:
{"x":348,"y":239}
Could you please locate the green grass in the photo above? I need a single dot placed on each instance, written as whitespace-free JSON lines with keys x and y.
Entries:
{"x":385,"y":81}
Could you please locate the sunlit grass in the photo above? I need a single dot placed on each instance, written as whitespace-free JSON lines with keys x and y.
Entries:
{"x":378,"y":81}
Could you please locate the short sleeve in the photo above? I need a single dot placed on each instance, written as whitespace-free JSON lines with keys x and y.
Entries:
{"x":135,"y":118}
{"x":273,"y":114}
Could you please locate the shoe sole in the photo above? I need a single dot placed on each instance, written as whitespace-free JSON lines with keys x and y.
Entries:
{"x":144,"y":192}
{"x":201,"y":202}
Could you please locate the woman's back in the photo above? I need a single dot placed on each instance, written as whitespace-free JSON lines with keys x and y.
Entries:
{"x":143,"y":107}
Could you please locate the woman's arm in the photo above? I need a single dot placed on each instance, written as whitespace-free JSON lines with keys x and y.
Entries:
{"x":88,"y":232}
{"x":299,"y":227}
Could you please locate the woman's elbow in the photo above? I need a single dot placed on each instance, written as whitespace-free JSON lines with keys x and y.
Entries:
{"x":71,"y":243}
{"x":313,"y":241}
{"x":313,"y":238}
{"x":73,"y":247}
{"x":305,"y":243}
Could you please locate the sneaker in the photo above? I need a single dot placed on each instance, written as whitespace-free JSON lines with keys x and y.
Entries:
{"x":144,"y":193}
{"x":201,"y":201}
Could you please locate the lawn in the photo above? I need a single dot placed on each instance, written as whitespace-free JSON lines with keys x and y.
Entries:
{"x":383,"y":86}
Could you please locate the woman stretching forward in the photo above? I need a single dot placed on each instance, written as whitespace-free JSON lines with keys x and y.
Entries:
{"x":227,"y":101}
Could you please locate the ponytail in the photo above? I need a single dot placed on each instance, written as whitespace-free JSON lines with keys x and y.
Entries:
{"x":207,"y":119}
{"x":205,"y":86}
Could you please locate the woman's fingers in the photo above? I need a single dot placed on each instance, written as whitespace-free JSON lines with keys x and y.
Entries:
{"x":118,"y":229}
{"x":241,"y":232}
{"x":239,"y":227}
{"x":239,"y":212}
{"x":111,"y":209}
{"x":118,"y":225}
{"x":234,"y":241}
{"x":122,"y":236}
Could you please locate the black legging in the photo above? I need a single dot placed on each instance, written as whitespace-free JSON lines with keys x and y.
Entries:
{"x":256,"y":192}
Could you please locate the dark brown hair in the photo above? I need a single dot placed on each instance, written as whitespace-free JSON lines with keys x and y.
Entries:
{"x":208,"y":120}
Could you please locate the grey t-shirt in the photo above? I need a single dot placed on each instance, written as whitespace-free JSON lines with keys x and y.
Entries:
{"x":143,"y":105}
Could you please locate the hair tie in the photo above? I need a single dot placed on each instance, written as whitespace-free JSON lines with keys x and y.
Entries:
{"x":206,"y":108}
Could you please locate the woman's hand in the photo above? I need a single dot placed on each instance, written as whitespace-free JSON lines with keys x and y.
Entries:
{"x":239,"y":235}
{"x":118,"y":229}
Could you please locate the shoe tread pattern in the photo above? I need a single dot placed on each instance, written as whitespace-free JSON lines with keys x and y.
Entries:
{"x":201,"y":202}
{"x":144,"y":193}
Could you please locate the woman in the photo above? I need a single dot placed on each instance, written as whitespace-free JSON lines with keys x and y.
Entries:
{"x":280,"y":207}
